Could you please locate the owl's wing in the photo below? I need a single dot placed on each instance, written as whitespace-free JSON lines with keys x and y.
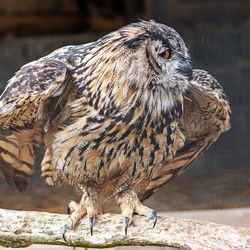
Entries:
{"x":30,"y":100}
{"x":205,"y":116}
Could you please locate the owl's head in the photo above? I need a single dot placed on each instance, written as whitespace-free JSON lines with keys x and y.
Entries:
{"x":157,"y":51}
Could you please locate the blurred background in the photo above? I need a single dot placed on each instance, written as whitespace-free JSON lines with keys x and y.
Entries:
{"x":217,"y":32}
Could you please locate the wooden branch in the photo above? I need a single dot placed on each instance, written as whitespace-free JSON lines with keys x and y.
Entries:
{"x":23,"y":228}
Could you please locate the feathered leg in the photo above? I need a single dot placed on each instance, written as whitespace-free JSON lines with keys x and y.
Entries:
{"x":46,"y":165}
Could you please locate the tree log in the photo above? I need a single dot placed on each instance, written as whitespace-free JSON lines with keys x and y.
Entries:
{"x":23,"y":228}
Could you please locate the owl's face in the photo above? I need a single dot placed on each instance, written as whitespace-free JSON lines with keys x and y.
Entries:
{"x":160,"y":52}
{"x":170,"y":61}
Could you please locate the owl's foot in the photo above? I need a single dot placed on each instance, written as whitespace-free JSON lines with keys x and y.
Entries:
{"x":76,"y":211}
{"x":129,"y":203}
{"x":88,"y":205}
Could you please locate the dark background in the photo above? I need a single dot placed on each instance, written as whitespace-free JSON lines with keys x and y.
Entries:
{"x":217,"y":32}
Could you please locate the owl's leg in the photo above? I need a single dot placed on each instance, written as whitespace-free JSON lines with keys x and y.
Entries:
{"x":46,"y":164}
{"x":129,"y":203}
{"x":89,"y":204}
{"x":46,"y":167}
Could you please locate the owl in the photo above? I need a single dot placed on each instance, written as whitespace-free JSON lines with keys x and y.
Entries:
{"x":113,"y":115}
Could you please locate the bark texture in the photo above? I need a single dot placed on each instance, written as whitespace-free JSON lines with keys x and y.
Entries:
{"x":23,"y":228}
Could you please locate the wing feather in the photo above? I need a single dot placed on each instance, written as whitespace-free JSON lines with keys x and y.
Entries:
{"x":31,"y":86}
{"x":26,"y":107}
{"x":206,"y":115}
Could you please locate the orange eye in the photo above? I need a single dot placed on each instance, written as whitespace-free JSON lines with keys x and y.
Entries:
{"x":165,"y":54}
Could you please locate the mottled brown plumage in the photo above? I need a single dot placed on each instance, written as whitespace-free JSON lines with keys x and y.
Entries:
{"x":206,"y":114}
{"x":109,"y":114}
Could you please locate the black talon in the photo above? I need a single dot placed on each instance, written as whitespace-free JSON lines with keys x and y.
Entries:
{"x":155,"y":218}
{"x":91,"y":225}
{"x":68,"y":210}
{"x":126,"y":224}
{"x":66,"y":226}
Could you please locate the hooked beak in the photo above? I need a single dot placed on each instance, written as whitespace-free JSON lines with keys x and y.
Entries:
{"x":186,"y":69}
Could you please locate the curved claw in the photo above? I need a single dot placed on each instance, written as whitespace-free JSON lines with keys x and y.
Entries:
{"x":68,"y":209}
{"x":91,"y":224}
{"x":155,"y":218}
{"x":66,"y":226}
{"x":126,"y":222}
